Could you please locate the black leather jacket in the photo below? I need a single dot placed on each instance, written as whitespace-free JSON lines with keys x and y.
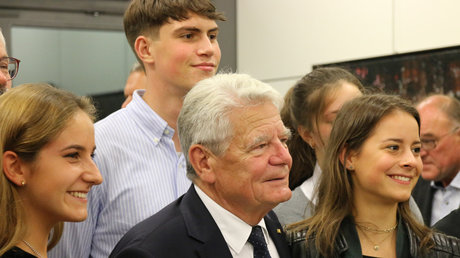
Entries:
{"x":445,"y":246}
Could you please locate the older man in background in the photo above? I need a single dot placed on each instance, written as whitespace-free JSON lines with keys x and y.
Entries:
{"x":136,"y":80}
{"x":437,"y":192}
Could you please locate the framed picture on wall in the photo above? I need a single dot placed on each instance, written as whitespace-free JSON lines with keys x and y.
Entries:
{"x":410,"y":75}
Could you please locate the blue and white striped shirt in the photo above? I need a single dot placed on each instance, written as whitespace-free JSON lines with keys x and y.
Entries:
{"x":142,"y":173}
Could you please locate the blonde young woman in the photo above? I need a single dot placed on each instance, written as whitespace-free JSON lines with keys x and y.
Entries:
{"x":373,"y":162}
{"x":47,"y":143}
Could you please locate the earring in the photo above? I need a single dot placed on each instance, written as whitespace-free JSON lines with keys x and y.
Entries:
{"x":23,"y":183}
{"x":350,"y":167}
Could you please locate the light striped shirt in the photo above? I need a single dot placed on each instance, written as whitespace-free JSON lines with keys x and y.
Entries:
{"x":142,"y":173}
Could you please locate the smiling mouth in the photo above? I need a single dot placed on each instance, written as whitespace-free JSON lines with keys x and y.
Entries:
{"x":80,"y":195}
{"x":401,"y":178}
{"x":405,"y":180}
{"x":278,"y":179}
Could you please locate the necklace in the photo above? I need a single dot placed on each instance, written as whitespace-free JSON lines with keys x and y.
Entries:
{"x":380,"y":231}
{"x":31,"y":248}
{"x":376,"y":245}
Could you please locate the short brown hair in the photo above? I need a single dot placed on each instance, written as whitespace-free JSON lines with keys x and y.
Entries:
{"x":144,"y":16}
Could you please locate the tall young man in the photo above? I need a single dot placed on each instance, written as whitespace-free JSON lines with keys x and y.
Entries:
{"x":138,"y":150}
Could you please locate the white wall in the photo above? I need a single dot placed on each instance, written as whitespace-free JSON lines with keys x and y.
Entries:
{"x":279,"y":41}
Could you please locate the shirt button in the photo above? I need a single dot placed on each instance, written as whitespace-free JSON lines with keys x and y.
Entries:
{"x":155,"y":140}
{"x":167,"y":132}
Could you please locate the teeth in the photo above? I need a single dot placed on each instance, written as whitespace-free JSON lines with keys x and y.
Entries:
{"x":402,"y":178}
{"x":79,"y":194}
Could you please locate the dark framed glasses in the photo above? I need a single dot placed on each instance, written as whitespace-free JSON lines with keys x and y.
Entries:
{"x":9,"y":66}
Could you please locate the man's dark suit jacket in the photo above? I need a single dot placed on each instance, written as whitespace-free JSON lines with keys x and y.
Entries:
{"x":450,"y":224}
{"x":423,"y":195}
{"x":185,"y":228}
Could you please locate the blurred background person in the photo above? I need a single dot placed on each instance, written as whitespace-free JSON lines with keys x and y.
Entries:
{"x":363,"y":209}
{"x":47,"y":142}
{"x":437,"y":193}
{"x":9,"y":66}
{"x":136,"y":80}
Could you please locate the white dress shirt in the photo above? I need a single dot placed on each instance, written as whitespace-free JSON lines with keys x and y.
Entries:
{"x":308,"y":187}
{"x":445,"y":199}
{"x":234,"y":230}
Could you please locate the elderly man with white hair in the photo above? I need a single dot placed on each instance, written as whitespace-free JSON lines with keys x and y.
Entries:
{"x":238,"y":161}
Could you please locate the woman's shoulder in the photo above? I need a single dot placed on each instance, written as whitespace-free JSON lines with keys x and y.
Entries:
{"x":446,"y":244}
{"x":297,"y":236}
{"x":16,"y":252}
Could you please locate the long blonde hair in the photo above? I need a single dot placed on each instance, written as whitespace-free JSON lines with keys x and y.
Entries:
{"x":31,"y":115}
{"x":352,"y":126}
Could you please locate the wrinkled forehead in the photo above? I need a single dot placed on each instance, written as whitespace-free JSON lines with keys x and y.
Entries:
{"x":433,"y":121}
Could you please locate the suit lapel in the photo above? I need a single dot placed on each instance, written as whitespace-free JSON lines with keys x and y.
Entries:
{"x":277,"y":234}
{"x":202,"y":227}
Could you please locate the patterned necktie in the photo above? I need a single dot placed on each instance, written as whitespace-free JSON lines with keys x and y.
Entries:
{"x":258,"y":242}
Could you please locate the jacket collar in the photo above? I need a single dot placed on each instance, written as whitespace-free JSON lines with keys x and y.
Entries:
{"x":201,"y":226}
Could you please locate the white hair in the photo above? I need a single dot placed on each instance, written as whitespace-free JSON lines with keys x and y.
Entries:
{"x":204,"y":117}
{"x":2,"y":38}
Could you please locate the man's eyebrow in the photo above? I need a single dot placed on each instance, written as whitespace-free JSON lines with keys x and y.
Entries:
{"x":287,"y":133}
{"x":194,"y":29}
{"x":429,"y":135}
{"x":259,"y":139}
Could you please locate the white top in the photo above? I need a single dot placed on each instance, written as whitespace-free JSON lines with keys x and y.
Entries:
{"x":445,"y":199}
{"x":308,"y":187}
{"x":234,"y":230}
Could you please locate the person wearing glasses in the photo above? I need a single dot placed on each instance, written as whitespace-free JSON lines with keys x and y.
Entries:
{"x":437,"y":193}
{"x":8,"y":66}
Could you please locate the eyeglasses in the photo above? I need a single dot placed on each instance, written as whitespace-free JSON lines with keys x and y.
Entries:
{"x":9,"y":66}
{"x":430,"y":144}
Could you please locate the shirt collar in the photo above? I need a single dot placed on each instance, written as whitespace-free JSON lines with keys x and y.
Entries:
{"x":308,"y":187}
{"x":234,"y":230}
{"x":455,"y":183}
{"x":147,"y":118}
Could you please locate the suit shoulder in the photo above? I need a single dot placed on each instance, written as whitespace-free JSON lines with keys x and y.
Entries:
{"x":153,"y":233}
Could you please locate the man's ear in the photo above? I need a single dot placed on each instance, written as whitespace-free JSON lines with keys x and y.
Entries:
{"x":201,"y":160}
{"x":13,"y":168}
{"x":144,"y":49}
{"x":306,"y":136}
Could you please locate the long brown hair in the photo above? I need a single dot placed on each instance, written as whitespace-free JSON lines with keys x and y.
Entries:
{"x":304,"y":103}
{"x":352,"y":127}
{"x":31,"y":115}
